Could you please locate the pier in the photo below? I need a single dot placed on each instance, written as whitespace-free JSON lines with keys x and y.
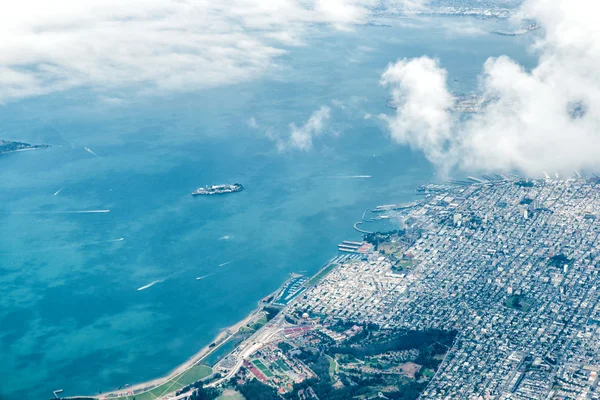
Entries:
{"x":361,"y":230}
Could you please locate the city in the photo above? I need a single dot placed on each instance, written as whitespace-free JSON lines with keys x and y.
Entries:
{"x":300,"y":200}
{"x":507,"y":264}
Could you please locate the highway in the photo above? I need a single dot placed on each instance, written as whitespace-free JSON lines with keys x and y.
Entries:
{"x":259,"y":339}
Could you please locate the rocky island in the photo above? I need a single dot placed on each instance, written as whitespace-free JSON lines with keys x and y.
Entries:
{"x":218,"y":189}
{"x":9,"y":146}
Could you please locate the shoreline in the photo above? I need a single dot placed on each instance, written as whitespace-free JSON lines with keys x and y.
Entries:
{"x":222,"y":338}
{"x":21,"y":150}
{"x":225,"y":334}
{"x":28,"y":147}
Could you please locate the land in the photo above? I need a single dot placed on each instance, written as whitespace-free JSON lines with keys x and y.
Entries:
{"x":229,"y":394}
{"x":469,"y":103}
{"x":500,"y":9}
{"x":185,"y":374}
{"x":512,"y":283}
{"x":490,"y":290}
{"x":9,"y":146}
{"x":218,"y":189}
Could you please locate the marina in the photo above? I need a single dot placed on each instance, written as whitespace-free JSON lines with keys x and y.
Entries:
{"x":290,"y":290}
{"x":153,"y":154}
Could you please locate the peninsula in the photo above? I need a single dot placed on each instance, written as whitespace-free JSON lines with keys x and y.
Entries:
{"x":489,"y":290}
{"x":9,"y":146}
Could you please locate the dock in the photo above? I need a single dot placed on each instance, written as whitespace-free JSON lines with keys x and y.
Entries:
{"x":361,"y":230}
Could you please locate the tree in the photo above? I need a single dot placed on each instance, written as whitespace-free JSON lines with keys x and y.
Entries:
{"x":254,"y":390}
{"x":517,"y":303}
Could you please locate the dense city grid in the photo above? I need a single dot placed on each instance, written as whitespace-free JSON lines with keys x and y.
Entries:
{"x":511,"y":265}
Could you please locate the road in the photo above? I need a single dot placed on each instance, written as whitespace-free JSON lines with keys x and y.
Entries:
{"x":180,"y":370}
{"x":259,"y":339}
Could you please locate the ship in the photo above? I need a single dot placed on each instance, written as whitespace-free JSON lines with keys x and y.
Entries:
{"x":218,"y":189}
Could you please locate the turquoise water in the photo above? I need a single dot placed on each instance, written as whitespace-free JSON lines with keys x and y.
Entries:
{"x":71,"y":314}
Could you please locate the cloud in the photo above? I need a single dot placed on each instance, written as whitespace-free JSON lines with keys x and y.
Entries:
{"x":158,"y":45}
{"x":423,"y":119}
{"x":342,"y":13}
{"x":402,"y":6}
{"x":547,"y":118}
{"x":338,"y":103}
{"x":252,"y":123}
{"x":301,"y":137}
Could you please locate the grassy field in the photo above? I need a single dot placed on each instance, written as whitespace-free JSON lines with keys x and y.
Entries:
{"x":428,"y":373}
{"x":229,"y":394}
{"x":520,"y":303}
{"x":192,"y":375}
{"x":259,"y":324}
{"x":332,"y":366}
{"x":315,"y":279}
{"x":283,"y":365}
{"x":263,"y":368}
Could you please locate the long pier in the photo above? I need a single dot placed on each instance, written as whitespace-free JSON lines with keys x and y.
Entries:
{"x":361,"y":230}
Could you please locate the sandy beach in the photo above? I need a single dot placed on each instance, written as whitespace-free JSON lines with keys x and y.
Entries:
{"x":181,"y":369}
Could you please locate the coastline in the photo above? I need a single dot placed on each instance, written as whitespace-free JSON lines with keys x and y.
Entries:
{"x":223,"y":337}
{"x":21,"y":150}
{"x":24,"y":147}
{"x":220,"y":339}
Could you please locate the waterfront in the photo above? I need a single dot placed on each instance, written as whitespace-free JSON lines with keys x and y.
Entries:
{"x":71,"y":315}
{"x":520,"y":257}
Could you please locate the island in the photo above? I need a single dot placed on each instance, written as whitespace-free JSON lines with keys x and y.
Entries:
{"x":9,"y":146}
{"x":218,"y":189}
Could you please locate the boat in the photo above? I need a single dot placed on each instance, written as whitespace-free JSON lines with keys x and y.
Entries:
{"x":218,"y":189}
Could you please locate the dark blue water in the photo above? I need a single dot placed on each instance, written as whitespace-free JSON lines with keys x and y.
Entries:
{"x":71,"y":314}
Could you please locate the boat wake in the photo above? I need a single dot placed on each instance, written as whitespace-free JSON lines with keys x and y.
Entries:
{"x":225,"y":263}
{"x":84,"y":212}
{"x":102,"y":242}
{"x":57,"y":192}
{"x":58,"y":212}
{"x":90,"y":151}
{"x":171,"y":275}
{"x":351,"y":177}
{"x":150,"y":284}
{"x":204,"y":276}
{"x":66,"y":247}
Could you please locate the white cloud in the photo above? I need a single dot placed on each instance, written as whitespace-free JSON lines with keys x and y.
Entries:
{"x":547,"y":118}
{"x":113,"y":101}
{"x":48,"y":46}
{"x":423,"y":119}
{"x":301,"y":137}
{"x":338,"y":103}
{"x":342,"y":13}
{"x":252,"y":123}
{"x":405,"y":5}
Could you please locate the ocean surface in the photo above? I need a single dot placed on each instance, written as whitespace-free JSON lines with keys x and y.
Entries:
{"x":72,"y":316}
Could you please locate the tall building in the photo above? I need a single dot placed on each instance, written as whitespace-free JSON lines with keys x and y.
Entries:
{"x":457,"y":218}
{"x":534,"y":205}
